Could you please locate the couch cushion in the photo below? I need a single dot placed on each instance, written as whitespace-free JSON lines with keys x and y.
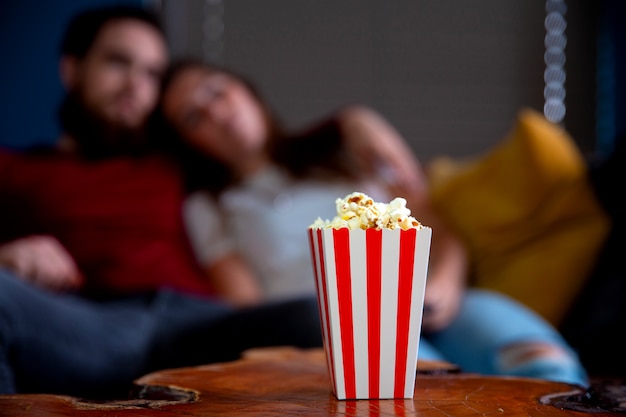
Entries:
{"x":527,"y":213}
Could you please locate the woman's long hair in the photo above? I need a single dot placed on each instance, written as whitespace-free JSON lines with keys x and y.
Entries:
{"x":312,"y":152}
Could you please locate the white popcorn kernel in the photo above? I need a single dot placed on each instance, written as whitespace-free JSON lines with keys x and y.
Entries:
{"x":359,"y":211}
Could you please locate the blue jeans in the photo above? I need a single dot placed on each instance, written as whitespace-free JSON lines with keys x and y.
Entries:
{"x":62,"y":343}
{"x":489,"y":321}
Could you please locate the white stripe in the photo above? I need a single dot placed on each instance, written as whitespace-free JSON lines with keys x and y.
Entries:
{"x":333,"y":311}
{"x":420,"y":269}
{"x":321,"y":295}
{"x":358,"y":267}
{"x":389,"y":308}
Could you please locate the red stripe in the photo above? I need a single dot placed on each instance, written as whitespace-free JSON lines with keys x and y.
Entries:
{"x":344,"y":295}
{"x":328,"y":338}
{"x":405,"y":284}
{"x":374,"y":271}
{"x":400,"y":408}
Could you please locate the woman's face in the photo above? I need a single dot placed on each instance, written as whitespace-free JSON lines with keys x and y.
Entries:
{"x":217,"y":114}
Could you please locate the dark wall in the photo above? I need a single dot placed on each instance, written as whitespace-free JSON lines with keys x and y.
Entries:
{"x":581,"y":93}
{"x":450,"y":75}
{"x":611,"y":74}
{"x":30,"y":88}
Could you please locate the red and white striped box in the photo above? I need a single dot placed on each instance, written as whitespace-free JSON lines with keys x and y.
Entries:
{"x":370,"y":287}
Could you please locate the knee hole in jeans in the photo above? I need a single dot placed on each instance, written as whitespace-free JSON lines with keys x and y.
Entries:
{"x":516,"y":355}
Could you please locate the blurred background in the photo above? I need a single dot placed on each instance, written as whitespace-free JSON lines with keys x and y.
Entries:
{"x":450,"y":75}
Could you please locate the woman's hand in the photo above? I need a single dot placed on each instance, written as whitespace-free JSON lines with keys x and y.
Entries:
{"x":442,"y":301}
{"x":42,"y":260}
{"x":447,"y":273}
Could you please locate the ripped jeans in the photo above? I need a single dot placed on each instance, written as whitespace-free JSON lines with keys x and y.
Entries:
{"x":495,"y":335}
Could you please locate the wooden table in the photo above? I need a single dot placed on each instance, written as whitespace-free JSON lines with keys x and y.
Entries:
{"x":290,"y":382}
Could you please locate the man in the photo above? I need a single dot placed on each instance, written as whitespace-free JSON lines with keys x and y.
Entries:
{"x":97,"y":281}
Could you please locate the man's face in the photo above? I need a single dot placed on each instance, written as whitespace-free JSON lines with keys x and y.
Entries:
{"x":118,"y":80}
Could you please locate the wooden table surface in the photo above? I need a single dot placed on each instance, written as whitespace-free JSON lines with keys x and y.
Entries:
{"x":290,"y":382}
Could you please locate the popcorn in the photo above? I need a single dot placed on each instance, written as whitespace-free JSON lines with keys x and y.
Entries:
{"x":370,"y":288}
{"x":359,"y":211}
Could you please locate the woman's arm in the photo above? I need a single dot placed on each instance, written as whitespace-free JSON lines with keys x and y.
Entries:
{"x":447,"y":273}
{"x":230,"y":276}
{"x":380,"y":150}
{"x":386,"y":157}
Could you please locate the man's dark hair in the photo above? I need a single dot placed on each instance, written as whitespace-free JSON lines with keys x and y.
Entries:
{"x":95,"y":137}
{"x":85,"y":27}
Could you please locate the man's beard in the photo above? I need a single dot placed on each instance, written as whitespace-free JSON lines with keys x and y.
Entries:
{"x":95,"y":137}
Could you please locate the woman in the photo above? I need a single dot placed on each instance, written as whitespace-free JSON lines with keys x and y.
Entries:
{"x":269,"y":186}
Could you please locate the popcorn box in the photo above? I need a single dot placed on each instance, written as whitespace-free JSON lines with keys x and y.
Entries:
{"x":370,"y":288}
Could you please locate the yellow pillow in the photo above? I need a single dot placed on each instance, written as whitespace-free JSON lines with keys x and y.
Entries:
{"x":527,"y":214}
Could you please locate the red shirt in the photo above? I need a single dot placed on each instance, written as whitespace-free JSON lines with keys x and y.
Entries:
{"x":119,"y":218}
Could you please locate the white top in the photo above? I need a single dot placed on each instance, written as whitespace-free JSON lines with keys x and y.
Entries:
{"x":207,"y":233}
{"x":267,"y":218}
